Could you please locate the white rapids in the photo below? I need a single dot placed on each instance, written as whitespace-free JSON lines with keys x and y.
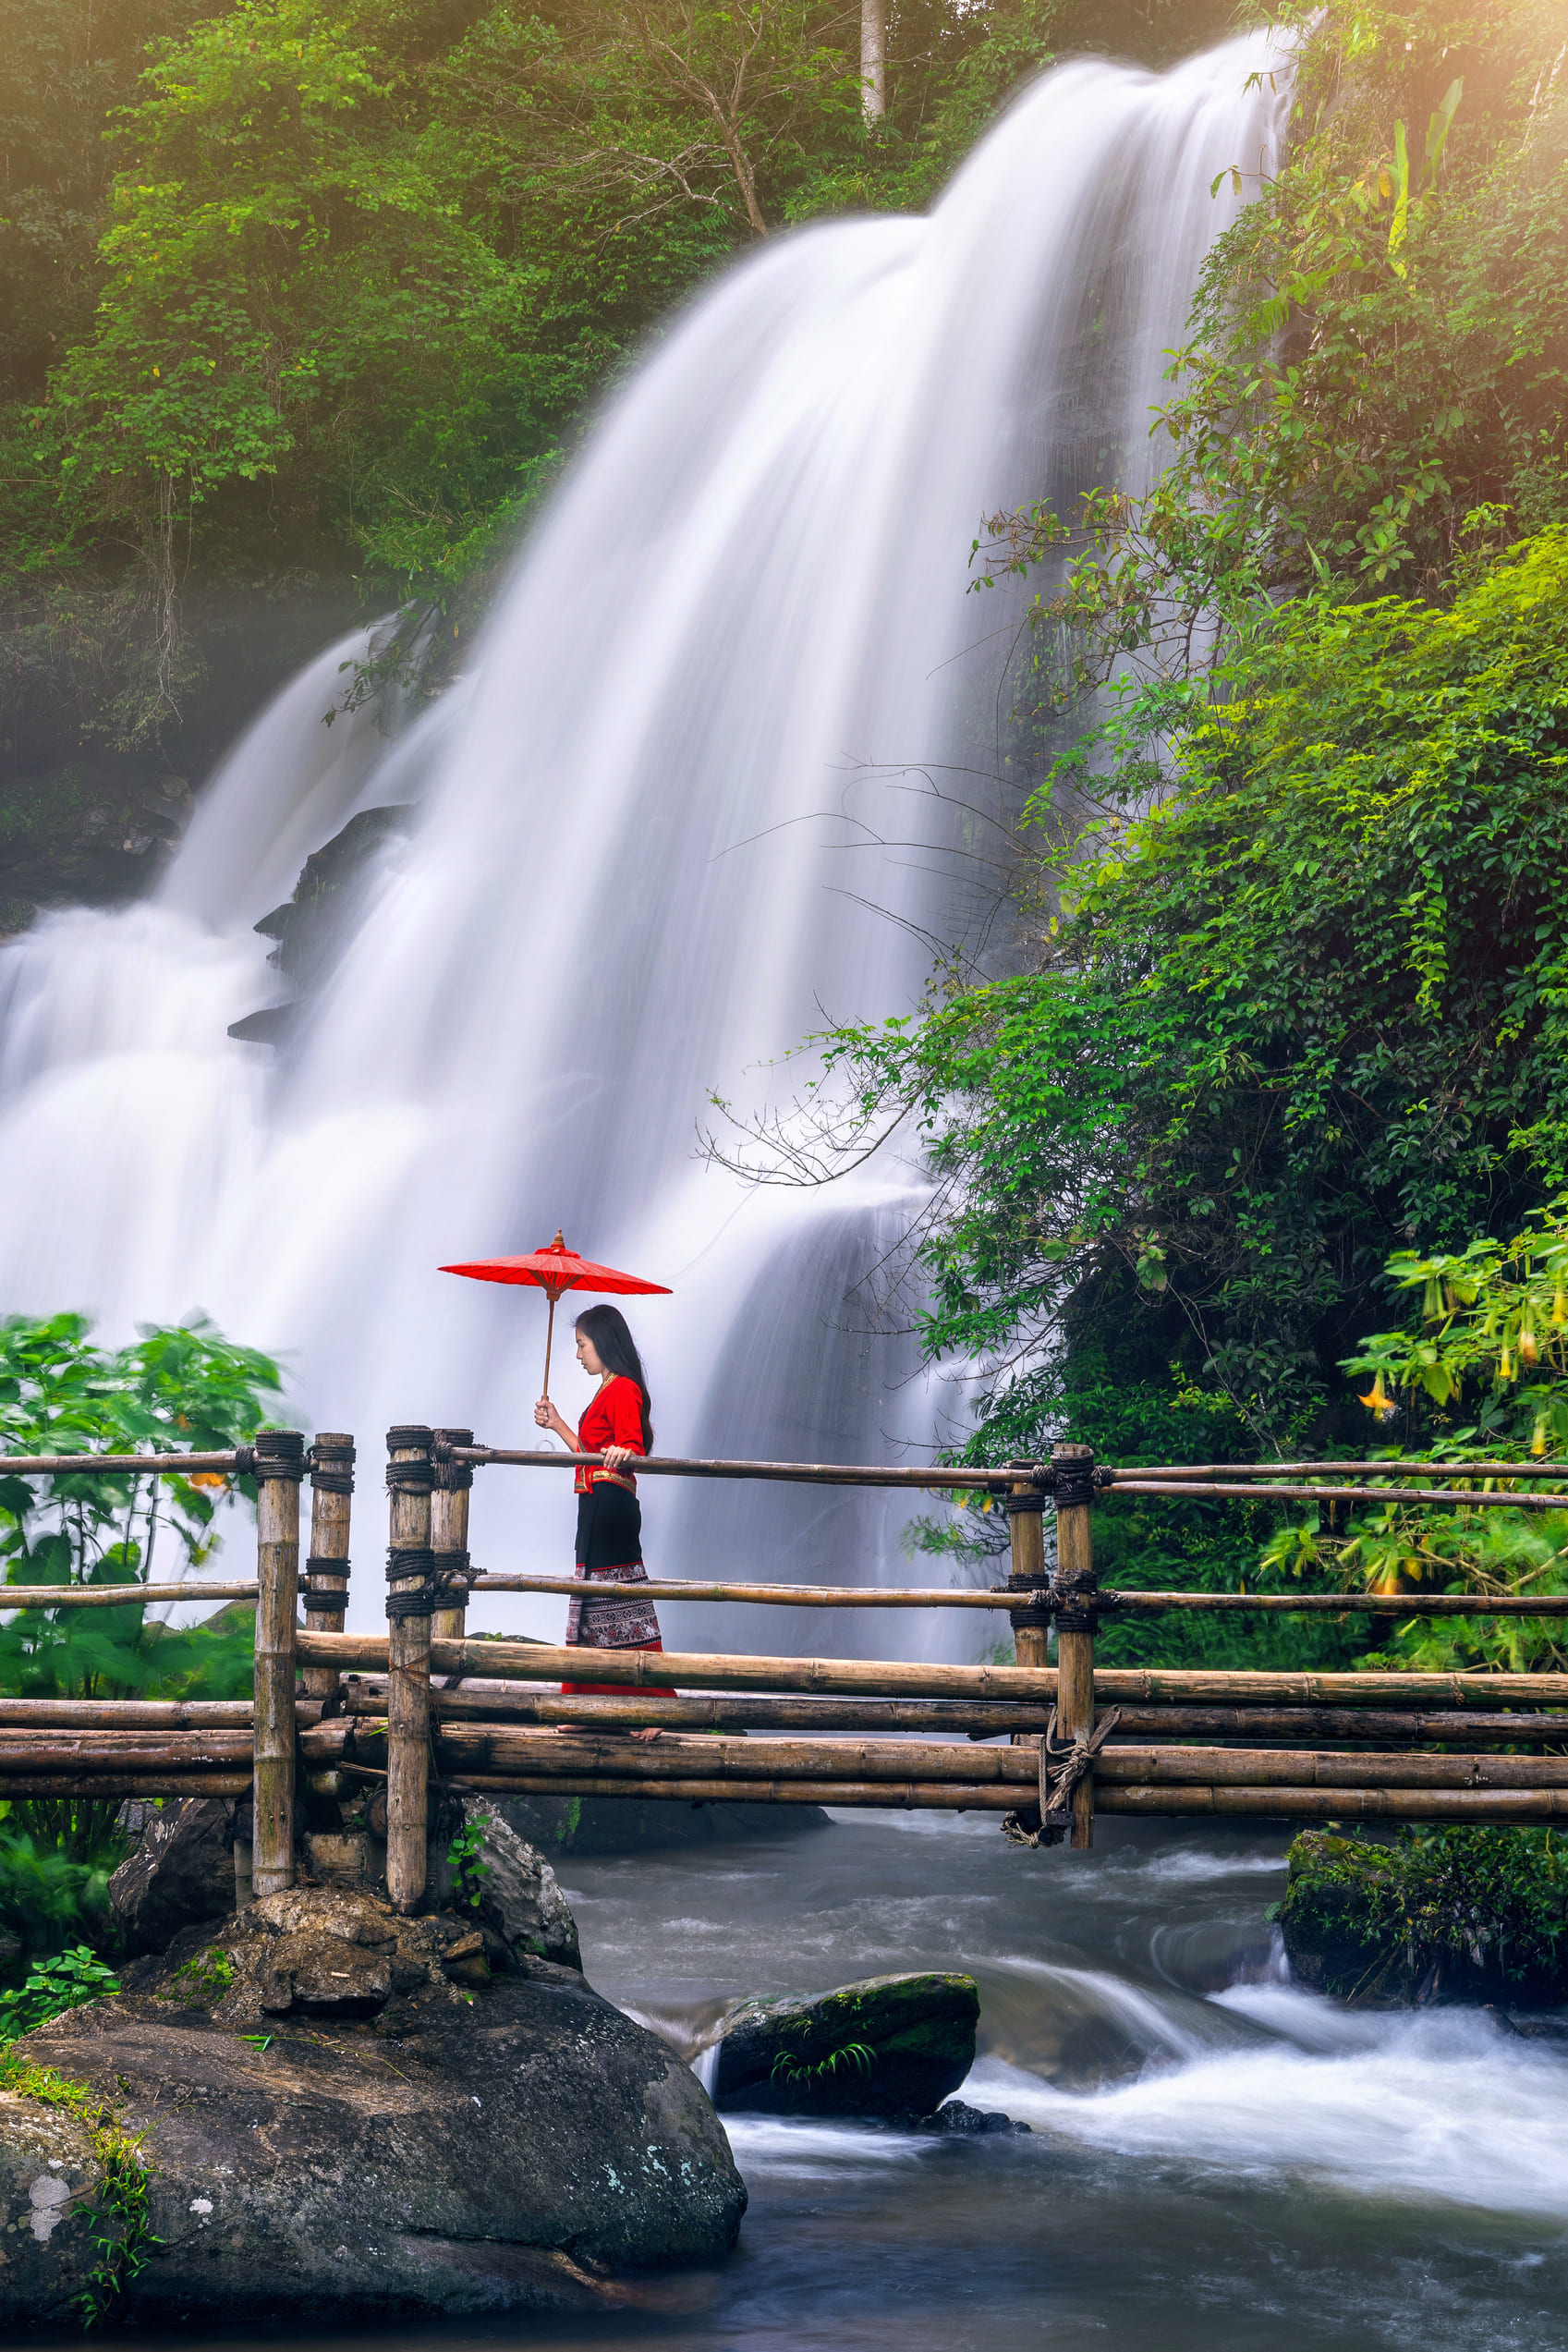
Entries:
{"x":700,"y":790}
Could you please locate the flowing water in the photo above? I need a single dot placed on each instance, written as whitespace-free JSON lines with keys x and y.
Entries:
{"x":1218,"y":2162}
{"x":730,"y":754}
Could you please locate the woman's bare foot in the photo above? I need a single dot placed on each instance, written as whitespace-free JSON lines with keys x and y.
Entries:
{"x":651,"y":1734}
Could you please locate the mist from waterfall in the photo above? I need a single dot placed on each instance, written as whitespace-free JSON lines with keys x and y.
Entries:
{"x":723,"y":760}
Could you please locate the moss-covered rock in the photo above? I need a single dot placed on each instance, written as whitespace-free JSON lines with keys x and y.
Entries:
{"x":892,"y":2045}
{"x":1434,"y":1914}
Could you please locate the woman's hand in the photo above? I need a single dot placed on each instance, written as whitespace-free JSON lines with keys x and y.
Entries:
{"x":546,"y":1416}
{"x":615,"y":1455}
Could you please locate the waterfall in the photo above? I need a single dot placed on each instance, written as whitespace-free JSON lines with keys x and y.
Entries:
{"x":715,"y":774}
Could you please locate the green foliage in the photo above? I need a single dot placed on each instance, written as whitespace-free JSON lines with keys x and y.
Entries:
{"x":172,"y":1390}
{"x":62,"y":69}
{"x":1484,"y":1373}
{"x":858,"y":2057}
{"x":121,"y":2216}
{"x":466,"y":1861}
{"x":52,"y":1987}
{"x":49,"y":1891}
{"x":1494,"y":1317}
{"x":1487,"y":1908}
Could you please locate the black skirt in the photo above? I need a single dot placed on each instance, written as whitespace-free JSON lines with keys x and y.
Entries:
{"x":609,"y":1529}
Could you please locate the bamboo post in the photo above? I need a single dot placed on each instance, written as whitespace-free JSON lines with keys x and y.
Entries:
{"x":279,"y":1460}
{"x":411,"y":1602}
{"x":326,"y":1585}
{"x":1074,"y":1609}
{"x":449,"y":1536}
{"x":1031,"y":1621}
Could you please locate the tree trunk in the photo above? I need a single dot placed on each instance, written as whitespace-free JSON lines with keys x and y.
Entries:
{"x":873,"y":59}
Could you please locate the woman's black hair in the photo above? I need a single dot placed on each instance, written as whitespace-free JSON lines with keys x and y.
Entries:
{"x":616,"y":1350}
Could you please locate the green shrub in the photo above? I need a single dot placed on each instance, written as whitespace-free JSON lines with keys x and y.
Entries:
{"x":1481,"y":1912}
{"x":47,"y":1896}
{"x":52,"y":1987}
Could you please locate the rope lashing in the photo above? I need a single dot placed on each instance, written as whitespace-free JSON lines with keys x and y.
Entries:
{"x":451,"y":1477}
{"x":416,"y":1477}
{"x":1033,"y":1612}
{"x":1075,"y":1603}
{"x":1072,"y":1485}
{"x":412,"y":1564}
{"x":316,"y":1594}
{"x":332,"y":1467}
{"x":1035,"y":1476}
{"x":273,"y":1453}
{"x":454,"y":1573}
{"x":1063,"y":1764}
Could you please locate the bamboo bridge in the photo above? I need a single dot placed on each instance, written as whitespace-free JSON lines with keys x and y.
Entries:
{"x":428,"y":1710}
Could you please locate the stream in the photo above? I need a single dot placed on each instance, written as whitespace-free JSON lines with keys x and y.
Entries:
{"x":1218,"y":2162}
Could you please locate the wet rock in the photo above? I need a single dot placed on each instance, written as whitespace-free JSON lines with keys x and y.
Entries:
{"x":181,"y":1874}
{"x":519,"y":1893}
{"x":959,"y":2122}
{"x":350,"y":2114}
{"x":312,"y":928}
{"x":890,"y":2046}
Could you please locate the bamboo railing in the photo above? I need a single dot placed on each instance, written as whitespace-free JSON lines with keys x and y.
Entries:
{"x":334,"y":1712}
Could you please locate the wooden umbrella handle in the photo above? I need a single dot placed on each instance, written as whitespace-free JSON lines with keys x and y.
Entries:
{"x":549,"y":1336}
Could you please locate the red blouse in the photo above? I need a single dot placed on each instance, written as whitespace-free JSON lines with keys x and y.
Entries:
{"x":614,"y":1418}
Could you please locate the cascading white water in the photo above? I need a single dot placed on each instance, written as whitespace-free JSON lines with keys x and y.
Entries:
{"x":681,"y":810}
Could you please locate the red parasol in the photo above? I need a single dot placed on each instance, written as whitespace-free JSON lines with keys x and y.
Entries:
{"x":554,"y":1270}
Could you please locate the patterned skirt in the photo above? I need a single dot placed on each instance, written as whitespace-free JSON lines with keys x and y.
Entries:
{"x":610,"y":1549}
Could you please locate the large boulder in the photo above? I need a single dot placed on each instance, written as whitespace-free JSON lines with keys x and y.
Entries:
{"x":182,"y":1873}
{"x":349,"y":2114}
{"x":889,"y":2046}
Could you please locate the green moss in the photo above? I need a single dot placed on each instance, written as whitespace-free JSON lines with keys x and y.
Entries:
{"x":206,"y":1975}
{"x":121,"y":2220}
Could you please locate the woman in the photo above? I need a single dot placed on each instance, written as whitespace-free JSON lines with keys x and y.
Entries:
{"x":618,"y":1424}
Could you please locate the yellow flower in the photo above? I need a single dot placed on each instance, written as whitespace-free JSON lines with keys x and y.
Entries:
{"x":1537,"y":1443}
{"x":1376,"y":1400}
